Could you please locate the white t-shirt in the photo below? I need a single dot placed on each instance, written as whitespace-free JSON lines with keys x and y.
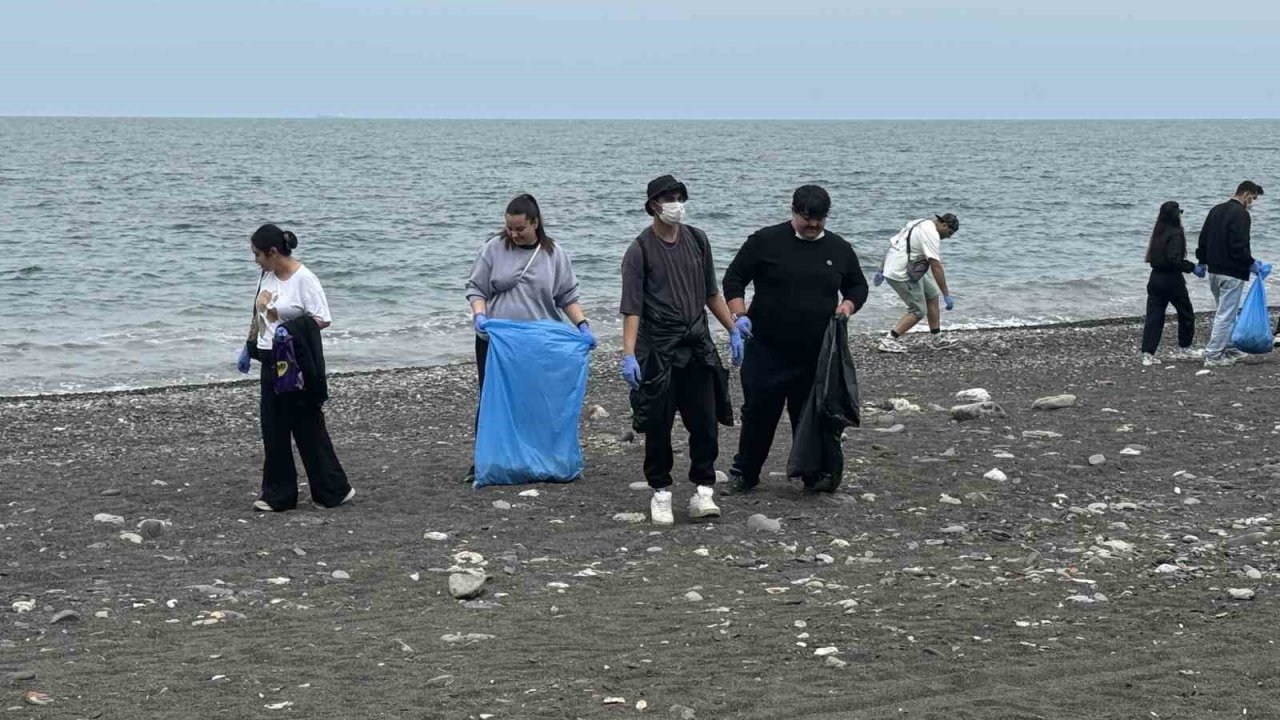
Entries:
{"x":925,"y":242}
{"x":280,"y":301}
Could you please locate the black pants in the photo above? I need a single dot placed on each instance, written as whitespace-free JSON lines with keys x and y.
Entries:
{"x":693,"y":388}
{"x":1162,"y":289}
{"x":292,"y":416}
{"x":482,"y":354}
{"x":770,"y":381}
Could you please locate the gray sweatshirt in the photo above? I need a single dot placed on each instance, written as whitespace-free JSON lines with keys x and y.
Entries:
{"x":548,"y":285}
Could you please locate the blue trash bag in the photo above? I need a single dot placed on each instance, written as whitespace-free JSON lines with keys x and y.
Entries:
{"x":1252,"y":333}
{"x":534,"y":384}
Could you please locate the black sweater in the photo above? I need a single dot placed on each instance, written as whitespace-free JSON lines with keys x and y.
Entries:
{"x":1168,"y":252}
{"x":798,"y":284}
{"x":1224,"y":240}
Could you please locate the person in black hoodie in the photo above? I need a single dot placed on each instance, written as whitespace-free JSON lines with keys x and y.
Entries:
{"x":1167,"y":255}
{"x":802,"y":275}
{"x":1224,"y":249}
{"x":290,"y":306}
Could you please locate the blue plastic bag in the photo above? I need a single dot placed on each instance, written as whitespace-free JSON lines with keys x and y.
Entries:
{"x":1252,"y":333}
{"x":534,"y":384}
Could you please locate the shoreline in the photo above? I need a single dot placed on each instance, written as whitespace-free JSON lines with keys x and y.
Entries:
{"x":606,"y":348}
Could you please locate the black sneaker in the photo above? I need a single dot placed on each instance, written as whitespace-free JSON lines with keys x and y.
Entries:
{"x":739,"y":484}
{"x":826,"y":482}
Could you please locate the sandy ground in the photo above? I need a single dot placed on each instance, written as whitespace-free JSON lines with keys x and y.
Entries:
{"x":1065,"y":590}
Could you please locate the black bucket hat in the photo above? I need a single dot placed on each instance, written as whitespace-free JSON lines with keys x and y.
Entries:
{"x":951,"y":221}
{"x":660,"y":186}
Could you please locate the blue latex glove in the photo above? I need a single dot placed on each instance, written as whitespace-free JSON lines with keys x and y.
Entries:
{"x":585,"y":328}
{"x":1256,"y":267}
{"x":743,"y":325}
{"x":878,"y":278}
{"x":1200,"y":270}
{"x":478,"y":322}
{"x":282,"y":334}
{"x":948,"y":302}
{"x":631,"y":371}
{"x":242,"y":362}
{"x":736,"y":346}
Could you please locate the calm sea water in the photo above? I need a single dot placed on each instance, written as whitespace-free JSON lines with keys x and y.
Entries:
{"x":124,"y":253}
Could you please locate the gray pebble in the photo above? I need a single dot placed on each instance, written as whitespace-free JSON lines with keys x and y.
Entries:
{"x":465,"y":586}
{"x":1097,"y":459}
{"x":760,"y":523}
{"x":65,"y":616}
{"x":1054,"y":402}
{"x":502,"y":504}
{"x":151,"y":528}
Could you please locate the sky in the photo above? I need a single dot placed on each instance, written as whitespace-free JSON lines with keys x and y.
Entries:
{"x":802,"y":59}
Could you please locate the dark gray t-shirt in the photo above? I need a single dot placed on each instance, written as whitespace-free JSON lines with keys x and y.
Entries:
{"x":677,"y":278}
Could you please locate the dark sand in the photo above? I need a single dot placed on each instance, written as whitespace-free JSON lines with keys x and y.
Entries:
{"x":937,"y":610}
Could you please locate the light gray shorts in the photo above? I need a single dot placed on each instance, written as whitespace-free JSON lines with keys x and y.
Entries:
{"x":916,"y":294}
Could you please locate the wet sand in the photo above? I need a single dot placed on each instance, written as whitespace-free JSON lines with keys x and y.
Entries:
{"x":1066,"y":590}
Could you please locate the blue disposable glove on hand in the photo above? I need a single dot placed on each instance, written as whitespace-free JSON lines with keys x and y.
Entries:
{"x":585,"y":328}
{"x":631,"y":371}
{"x":282,"y":334}
{"x":478,"y":322}
{"x":1260,"y":268}
{"x":736,"y":346}
{"x":743,"y":325}
{"x":1200,"y":270}
{"x":878,"y":278}
{"x":948,"y":302}
{"x":242,"y":362}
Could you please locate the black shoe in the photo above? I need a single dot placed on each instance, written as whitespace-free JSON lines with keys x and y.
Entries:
{"x":826,"y":482}
{"x":470,"y":477}
{"x":739,"y":484}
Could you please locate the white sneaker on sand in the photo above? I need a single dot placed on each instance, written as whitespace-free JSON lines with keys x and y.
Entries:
{"x":347,"y":498}
{"x":1148,"y":360}
{"x":1224,"y":361}
{"x":943,"y":342}
{"x":660,"y":508}
{"x":262,"y":506}
{"x":888,"y":344}
{"x":1186,"y":353}
{"x":702,"y":503}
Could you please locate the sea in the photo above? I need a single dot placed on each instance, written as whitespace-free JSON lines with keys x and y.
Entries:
{"x":124,"y":243}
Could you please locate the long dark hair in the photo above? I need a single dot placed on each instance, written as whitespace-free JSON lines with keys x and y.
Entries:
{"x":1168,"y":225}
{"x":270,"y":236}
{"x":527,"y":206}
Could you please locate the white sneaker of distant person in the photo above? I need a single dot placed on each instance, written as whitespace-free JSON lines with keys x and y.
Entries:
{"x":943,"y":341}
{"x":702,"y":503}
{"x":1186,"y":353}
{"x":888,"y":344}
{"x":660,"y":508}
{"x":1225,"y":360}
{"x":1148,"y":360}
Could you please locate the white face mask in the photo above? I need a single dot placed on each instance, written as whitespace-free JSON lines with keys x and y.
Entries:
{"x":672,"y":213}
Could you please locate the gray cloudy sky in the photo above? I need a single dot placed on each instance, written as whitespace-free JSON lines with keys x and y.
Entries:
{"x":625,"y":59}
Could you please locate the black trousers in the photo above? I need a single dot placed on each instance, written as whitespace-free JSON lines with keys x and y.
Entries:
{"x":694,"y":394}
{"x":770,"y":381}
{"x":291,"y":416}
{"x":1162,"y":289}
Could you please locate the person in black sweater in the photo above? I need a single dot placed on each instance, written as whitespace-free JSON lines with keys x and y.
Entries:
{"x":1224,"y":248}
{"x":801,"y":275}
{"x":1167,"y":255}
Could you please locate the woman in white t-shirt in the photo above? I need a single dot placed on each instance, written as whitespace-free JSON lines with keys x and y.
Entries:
{"x":288,"y":291}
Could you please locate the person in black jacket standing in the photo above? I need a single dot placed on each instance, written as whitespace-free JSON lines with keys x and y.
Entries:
{"x":801,"y":274}
{"x":1167,"y":255}
{"x":1224,"y":248}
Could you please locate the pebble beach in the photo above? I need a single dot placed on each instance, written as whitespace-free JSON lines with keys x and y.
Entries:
{"x":1108,"y":553}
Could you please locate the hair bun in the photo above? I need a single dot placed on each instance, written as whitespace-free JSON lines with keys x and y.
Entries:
{"x":290,"y":240}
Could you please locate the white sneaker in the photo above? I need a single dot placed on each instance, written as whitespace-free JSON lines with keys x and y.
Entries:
{"x":702,"y":503}
{"x":660,"y":508}
{"x":1224,"y":361}
{"x":347,"y":498}
{"x":1186,"y":353}
{"x":262,"y":506}
{"x":888,"y":345}
{"x":943,"y":342}
{"x":1148,"y":359}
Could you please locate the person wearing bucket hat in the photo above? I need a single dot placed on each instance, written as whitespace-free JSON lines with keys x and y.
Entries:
{"x":669,"y":360}
{"x":801,"y":274}
{"x":913,"y":267}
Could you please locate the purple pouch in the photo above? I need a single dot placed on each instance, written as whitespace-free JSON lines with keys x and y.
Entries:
{"x":288,"y":375}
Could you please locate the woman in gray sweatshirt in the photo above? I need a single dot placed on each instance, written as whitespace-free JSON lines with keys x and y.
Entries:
{"x":522,"y":275}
